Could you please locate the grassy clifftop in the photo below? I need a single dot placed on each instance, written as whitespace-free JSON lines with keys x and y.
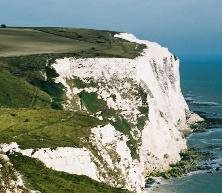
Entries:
{"x":78,"y":42}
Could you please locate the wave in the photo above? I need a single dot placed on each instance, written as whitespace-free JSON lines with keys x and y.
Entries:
{"x":192,"y":97}
{"x":205,"y":103}
{"x":197,"y":101}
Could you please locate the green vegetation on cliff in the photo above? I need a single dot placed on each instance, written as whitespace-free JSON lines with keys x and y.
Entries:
{"x":38,"y":177}
{"x":45,"y":128}
{"x":16,"y":92}
{"x":188,"y":163}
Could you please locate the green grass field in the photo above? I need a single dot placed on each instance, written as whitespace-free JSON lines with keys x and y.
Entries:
{"x":16,"y":42}
{"x":79,"y":42}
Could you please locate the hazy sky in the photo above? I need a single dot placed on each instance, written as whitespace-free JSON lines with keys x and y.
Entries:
{"x":185,"y":26}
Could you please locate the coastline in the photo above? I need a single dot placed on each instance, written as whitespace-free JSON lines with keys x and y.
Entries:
{"x":206,"y":167}
{"x":190,"y":159}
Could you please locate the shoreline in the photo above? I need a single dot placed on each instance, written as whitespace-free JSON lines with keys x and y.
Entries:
{"x":210,"y":165}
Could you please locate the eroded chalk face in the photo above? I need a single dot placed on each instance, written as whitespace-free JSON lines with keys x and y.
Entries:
{"x":145,"y":95}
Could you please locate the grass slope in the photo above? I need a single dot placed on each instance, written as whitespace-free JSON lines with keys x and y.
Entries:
{"x":45,"y":128}
{"x":16,"y":92}
{"x":38,"y":177}
{"x":35,"y":70}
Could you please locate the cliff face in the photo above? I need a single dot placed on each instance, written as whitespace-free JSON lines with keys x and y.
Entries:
{"x":142,"y":109}
{"x":145,"y":94}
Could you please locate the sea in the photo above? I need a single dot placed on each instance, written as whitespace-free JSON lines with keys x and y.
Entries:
{"x":201,"y":83}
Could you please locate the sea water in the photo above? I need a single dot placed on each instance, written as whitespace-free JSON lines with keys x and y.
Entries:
{"x":201,"y":82}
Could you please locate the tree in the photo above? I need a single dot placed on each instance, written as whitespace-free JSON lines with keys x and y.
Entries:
{"x":3,"y":26}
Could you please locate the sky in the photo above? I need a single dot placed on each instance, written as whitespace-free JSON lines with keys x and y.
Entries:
{"x":184,"y":26}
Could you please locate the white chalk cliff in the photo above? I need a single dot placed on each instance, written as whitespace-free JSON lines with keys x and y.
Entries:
{"x":120,"y":82}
